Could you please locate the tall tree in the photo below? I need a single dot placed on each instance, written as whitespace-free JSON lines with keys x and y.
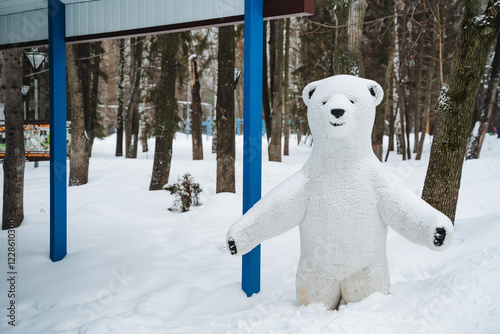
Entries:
{"x":13,"y":165}
{"x":166,"y":107}
{"x":225,"y":112}
{"x":132,"y":109}
{"x":196,"y":112}
{"x":380,"y":65}
{"x":481,"y":128}
{"x":266,"y":103}
{"x":286,"y":84}
{"x":92,"y":123}
{"x":454,"y":111}
{"x":276,"y":54}
{"x":347,"y":58}
{"x":119,"y":114}
{"x":80,"y":148}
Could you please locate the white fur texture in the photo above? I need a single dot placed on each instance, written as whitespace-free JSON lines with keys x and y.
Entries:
{"x":342,"y":200}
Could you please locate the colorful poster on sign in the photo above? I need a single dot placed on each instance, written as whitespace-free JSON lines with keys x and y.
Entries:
{"x":36,"y":140}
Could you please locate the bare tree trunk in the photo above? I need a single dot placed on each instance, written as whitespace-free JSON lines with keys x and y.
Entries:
{"x":266,"y":104}
{"x":477,"y":138}
{"x":384,"y":72}
{"x":79,"y":151}
{"x":429,"y":90}
{"x":277,"y":94}
{"x":131,"y":111}
{"x":347,"y":54}
{"x":93,"y":121}
{"x":399,"y":115}
{"x":389,"y":114}
{"x":225,"y":112}
{"x":13,"y":164}
{"x":455,"y":107}
{"x":196,"y":112}
{"x":119,"y":114}
{"x":418,"y":96}
{"x":166,"y":107}
{"x":286,"y":111}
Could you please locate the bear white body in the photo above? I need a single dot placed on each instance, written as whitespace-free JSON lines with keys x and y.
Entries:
{"x":342,"y":200}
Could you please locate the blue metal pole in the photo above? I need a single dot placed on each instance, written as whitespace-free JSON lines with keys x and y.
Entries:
{"x":252,"y":133}
{"x":57,"y":75}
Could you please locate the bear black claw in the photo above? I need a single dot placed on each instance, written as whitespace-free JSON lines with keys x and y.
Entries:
{"x":232,"y":246}
{"x":439,"y":236}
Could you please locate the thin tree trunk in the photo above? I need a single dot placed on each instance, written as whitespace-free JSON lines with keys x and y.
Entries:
{"x":13,"y":164}
{"x":277,"y":94}
{"x":266,"y":104}
{"x":429,"y":89}
{"x":347,"y":56}
{"x":196,"y":114}
{"x":384,"y":78}
{"x":286,"y":111}
{"x":418,"y":96}
{"x":135,"y":132}
{"x":389,"y":115}
{"x":119,"y":114}
{"x":225,"y":112}
{"x":166,"y":106}
{"x":79,"y":151}
{"x":94,"y":92}
{"x":455,"y":107}
{"x":399,"y":127}
{"x":131,"y":111}
{"x":476,"y":139}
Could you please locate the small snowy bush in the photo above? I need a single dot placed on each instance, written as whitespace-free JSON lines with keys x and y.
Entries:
{"x":186,"y":192}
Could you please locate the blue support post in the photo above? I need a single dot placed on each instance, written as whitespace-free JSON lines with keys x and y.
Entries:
{"x":57,"y":75}
{"x":252,"y":138}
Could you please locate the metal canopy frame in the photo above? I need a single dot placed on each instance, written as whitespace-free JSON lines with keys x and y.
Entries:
{"x":23,"y":23}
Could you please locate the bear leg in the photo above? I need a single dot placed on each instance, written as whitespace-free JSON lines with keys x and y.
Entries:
{"x":374,"y":278}
{"x":318,"y":289}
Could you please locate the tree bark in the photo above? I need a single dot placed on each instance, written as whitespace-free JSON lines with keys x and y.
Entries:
{"x":13,"y":164}
{"x":166,"y":106}
{"x":93,"y":119}
{"x":196,"y":112}
{"x":79,"y":151}
{"x":476,"y":139}
{"x":131,"y":111}
{"x":225,"y":112}
{"x":384,"y":71}
{"x":119,"y":114}
{"x":286,"y":111}
{"x":429,"y":90}
{"x":455,"y":107}
{"x":277,"y":93}
{"x":347,"y":58}
{"x":266,"y":104}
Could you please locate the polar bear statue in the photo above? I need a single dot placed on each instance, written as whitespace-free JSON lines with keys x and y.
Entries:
{"x":342,"y":200}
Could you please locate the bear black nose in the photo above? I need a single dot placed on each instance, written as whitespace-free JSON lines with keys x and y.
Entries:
{"x":338,"y":112}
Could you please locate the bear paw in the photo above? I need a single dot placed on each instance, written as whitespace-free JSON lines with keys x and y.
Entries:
{"x":232,"y":246}
{"x":439,"y":236}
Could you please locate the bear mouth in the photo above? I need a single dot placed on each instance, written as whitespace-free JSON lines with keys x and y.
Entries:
{"x":337,"y":124}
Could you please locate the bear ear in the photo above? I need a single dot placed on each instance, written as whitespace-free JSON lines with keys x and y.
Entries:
{"x":308,"y":92}
{"x":376,"y":91}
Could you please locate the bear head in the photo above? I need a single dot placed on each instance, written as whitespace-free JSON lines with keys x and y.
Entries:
{"x":341,"y":105}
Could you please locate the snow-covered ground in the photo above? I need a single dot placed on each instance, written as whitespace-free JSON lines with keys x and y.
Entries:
{"x":135,"y":267}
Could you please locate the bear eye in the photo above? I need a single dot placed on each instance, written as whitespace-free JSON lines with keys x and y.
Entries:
{"x":324,"y":102}
{"x":351,"y":101}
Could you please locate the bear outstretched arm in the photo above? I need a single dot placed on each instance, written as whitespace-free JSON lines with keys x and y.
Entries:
{"x":280,"y":210}
{"x":413,"y":218}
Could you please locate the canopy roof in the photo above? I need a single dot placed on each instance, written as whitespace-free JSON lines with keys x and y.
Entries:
{"x":24,"y":23}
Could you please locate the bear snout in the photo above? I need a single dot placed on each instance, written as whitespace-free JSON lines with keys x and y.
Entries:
{"x":337,"y":112}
